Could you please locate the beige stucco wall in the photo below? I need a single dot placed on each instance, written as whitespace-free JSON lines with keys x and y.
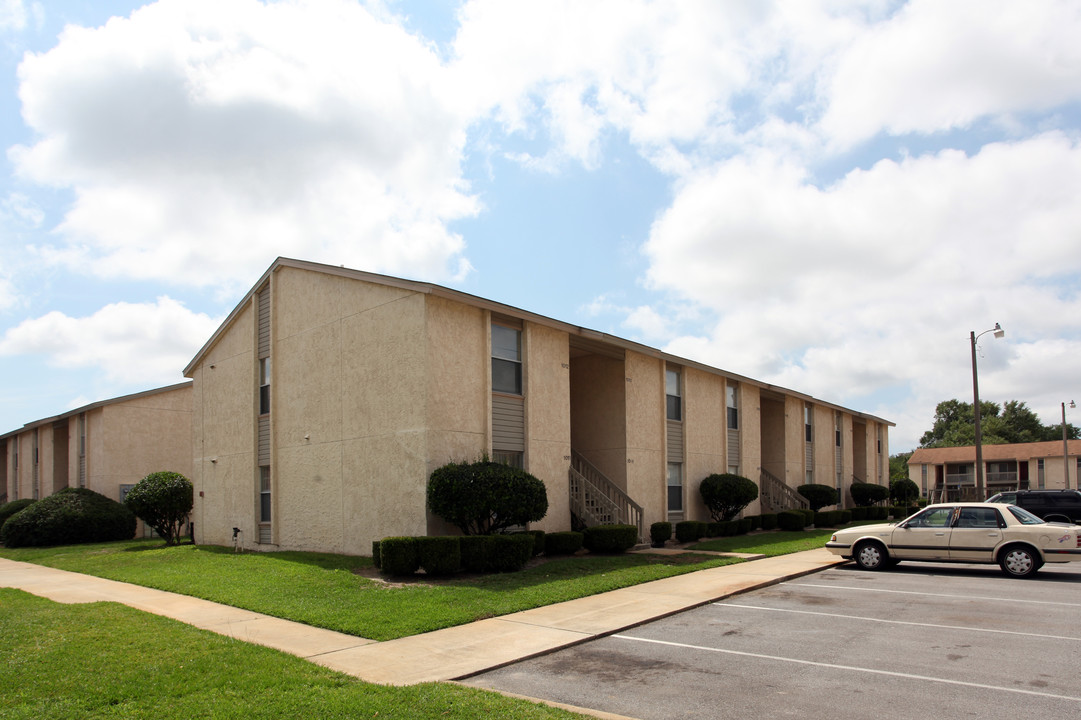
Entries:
{"x":704,"y":436}
{"x":646,"y":477}
{"x":548,"y":419}
{"x":223,"y":435}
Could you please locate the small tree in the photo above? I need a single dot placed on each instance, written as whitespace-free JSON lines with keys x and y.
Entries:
{"x":163,"y":500}
{"x":726,"y":495}
{"x":818,"y":496}
{"x":485,"y":497}
{"x":904,"y":492}
{"x":867,"y":494}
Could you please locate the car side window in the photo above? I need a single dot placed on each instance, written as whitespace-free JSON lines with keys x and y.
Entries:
{"x":933,"y":518}
{"x":978,"y":518}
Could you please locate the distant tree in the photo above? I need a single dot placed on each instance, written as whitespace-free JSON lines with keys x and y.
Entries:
{"x":1013,"y":422}
{"x":899,"y":466}
{"x":904,"y":491}
{"x":163,"y":501}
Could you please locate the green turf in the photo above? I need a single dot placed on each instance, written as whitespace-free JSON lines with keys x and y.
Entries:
{"x":326,"y":590}
{"x":104,"y":660}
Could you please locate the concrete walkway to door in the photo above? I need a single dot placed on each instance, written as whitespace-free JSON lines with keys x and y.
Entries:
{"x":448,"y":654}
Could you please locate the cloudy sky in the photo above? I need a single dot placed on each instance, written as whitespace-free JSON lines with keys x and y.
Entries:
{"x":824,"y":195}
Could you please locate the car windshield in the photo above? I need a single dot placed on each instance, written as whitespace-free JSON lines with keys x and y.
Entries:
{"x":1024,"y":516}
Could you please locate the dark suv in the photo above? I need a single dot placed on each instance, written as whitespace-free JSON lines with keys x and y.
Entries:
{"x":1051,"y":505}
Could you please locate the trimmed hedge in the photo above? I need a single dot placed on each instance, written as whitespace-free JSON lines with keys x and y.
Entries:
{"x":375,"y":555}
{"x":440,"y":554}
{"x":538,"y":539}
{"x":509,"y":553}
{"x":791,"y":520}
{"x":756,"y":522}
{"x":9,"y":509}
{"x":610,"y":538}
{"x":769,"y":521}
{"x":399,"y":556}
{"x":745,"y":525}
{"x":69,"y":517}
{"x":567,"y":542}
{"x":859,"y":513}
{"x":660,"y":533}
{"x":690,"y":530}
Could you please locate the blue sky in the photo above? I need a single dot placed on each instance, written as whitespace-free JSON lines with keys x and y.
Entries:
{"x":828,"y":196}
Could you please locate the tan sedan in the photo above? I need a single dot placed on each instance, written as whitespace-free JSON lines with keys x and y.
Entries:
{"x":999,"y":533}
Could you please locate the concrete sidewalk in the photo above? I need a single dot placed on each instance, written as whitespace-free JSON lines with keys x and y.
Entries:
{"x":448,"y":654}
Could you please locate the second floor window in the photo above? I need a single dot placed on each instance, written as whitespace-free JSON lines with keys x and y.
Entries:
{"x":733,"y":408}
{"x":506,"y":360}
{"x":673,"y":401}
{"x":264,"y":386}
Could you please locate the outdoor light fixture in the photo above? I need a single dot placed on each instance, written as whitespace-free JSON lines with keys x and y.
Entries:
{"x":1066,"y":448}
{"x":973,"y":337}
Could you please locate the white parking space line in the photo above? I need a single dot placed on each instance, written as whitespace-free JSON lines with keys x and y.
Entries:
{"x":942,"y":595}
{"x":850,"y":668}
{"x":898,"y":622}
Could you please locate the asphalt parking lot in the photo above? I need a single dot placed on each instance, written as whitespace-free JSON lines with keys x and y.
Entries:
{"x":920,"y":640}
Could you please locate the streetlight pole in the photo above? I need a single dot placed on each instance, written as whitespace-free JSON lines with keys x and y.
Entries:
{"x":973,"y":337}
{"x":1066,"y":448}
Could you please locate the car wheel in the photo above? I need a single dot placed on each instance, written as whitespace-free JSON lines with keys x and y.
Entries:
{"x":1019,"y":561}
{"x":871,"y":556}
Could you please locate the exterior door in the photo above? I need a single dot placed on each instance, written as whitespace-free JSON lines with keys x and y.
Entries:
{"x":976,"y":534}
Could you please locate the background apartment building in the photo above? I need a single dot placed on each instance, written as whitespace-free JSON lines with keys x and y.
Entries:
{"x":106,"y":446}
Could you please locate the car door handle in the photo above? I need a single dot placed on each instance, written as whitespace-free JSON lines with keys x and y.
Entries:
{"x":939,"y":534}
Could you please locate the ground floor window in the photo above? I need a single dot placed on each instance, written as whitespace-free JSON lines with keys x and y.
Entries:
{"x":265,"y":508}
{"x":675,"y":488}
{"x":516,"y":459}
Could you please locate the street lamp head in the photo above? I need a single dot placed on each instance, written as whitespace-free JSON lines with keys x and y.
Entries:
{"x":999,"y":332}
{"x":1072,"y":405}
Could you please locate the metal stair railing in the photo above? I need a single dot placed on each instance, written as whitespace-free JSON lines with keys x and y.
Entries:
{"x":596,"y":500}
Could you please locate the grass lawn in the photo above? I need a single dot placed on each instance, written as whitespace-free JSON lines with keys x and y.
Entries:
{"x":105,"y":660}
{"x":330,"y":591}
{"x":774,"y":543}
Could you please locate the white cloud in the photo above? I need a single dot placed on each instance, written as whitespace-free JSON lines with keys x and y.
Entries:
{"x":876,"y":281}
{"x":15,"y":15}
{"x":203,"y":138}
{"x":936,"y":66}
{"x":130,"y":343}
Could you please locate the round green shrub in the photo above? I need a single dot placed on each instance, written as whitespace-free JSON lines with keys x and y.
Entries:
{"x":660,"y":533}
{"x":163,"y":500}
{"x":9,"y":509}
{"x":818,"y":496}
{"x":439,"y":555}
{"x":610,"y":538}
{"x":867,"y":494}
{"x":69,"y":517}
{"x":726,"y":494}
{"x":562,"y":543}
{"x":485,"y":497}
{"x":791,"y":520}
{"x":399,"y":556}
